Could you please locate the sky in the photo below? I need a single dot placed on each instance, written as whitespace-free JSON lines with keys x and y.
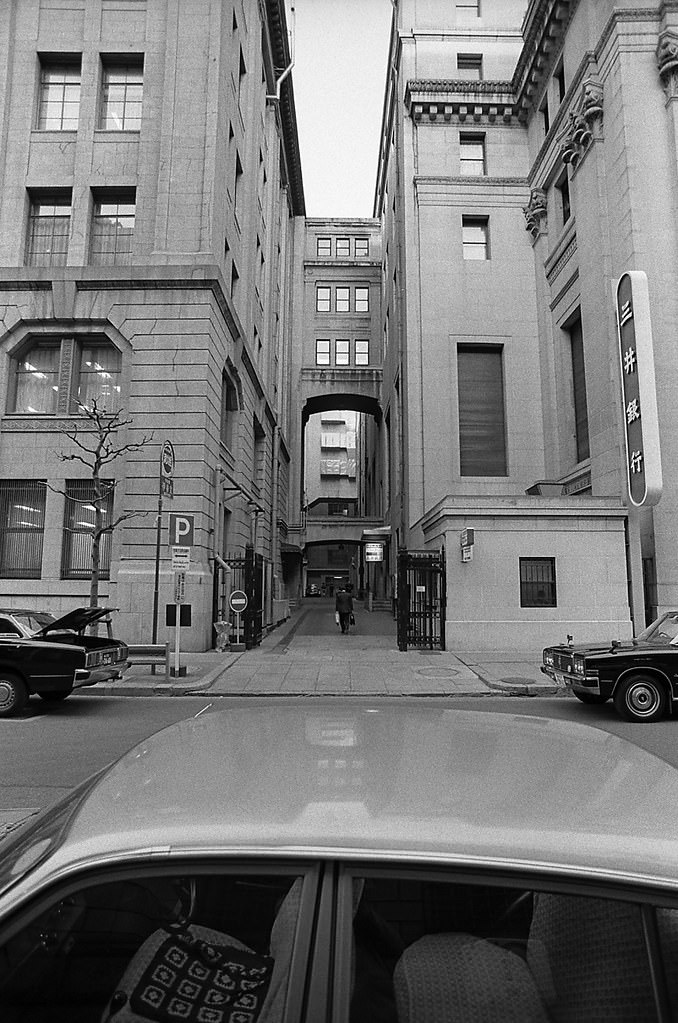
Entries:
{"x":340,"y":53}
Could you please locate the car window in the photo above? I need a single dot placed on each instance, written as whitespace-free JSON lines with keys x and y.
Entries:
{"x":35,"y":620}
{"x":663,"y":630}
{"x":423,"y":951}
{"x":8,"y":628}
{"x":154,"y":946}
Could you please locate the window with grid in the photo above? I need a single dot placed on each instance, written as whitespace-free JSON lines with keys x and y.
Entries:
{"x":343,"y":247}
{"x":323,"y":299}
{"x":324,"y":246}
{"x":482,"y":429}
{"x":342,"y":352}
{"x":475,"y":237}
{"x":121,"y":96}
{"x":538,"y":582}
{"x":99,"y":370}
{"x":22,"y":528}
{"x":36,"y":381}
{"x":470,"y":66}
{"x":472,"y":155}
{"x":362,"y":300}
{"x":322,"y":351}
{"x":362,"y":247}
{"x":59,"y":98}
{"x":362,"y":353}
{"x":343,"y":298}
{"x":56,"y":375}
{"x":49,"y":226}
{"x":80,"y":525}
{"x":112,"y":229}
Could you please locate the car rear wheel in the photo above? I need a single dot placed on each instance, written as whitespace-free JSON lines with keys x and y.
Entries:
{"x":55,"y":695}
{"x":591,"y":698}
{"x":640,"y":698}
{"x":13,"y":694}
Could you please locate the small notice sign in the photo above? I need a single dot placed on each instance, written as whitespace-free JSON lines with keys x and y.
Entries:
{"x":181,"y":559}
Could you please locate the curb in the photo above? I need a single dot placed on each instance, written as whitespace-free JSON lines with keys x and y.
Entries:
{"x":178,"y":688}
{"x":520,"y":689}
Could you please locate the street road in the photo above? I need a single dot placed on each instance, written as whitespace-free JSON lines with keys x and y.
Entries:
{"x":45,"y":755}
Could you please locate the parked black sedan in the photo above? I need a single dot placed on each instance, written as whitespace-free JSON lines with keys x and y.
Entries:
{"x":639,"y":675}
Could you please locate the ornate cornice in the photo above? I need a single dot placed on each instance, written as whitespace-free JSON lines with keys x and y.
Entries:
{"x":444,"y":100}
{"x":544,"y":31}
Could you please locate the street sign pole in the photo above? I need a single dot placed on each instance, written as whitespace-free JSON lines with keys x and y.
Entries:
{"x":238,"y":603}
{"x":165,"y":473}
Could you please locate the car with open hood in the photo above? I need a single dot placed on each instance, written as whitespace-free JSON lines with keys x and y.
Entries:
{"x":350,"y":861}
{"x":58,"y":658}
{"x":639,"y":675}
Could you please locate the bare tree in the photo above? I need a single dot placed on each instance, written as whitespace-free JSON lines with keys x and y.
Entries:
{"x":99,"y":445}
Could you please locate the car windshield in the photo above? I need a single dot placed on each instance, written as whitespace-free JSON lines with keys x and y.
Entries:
{"x":664,"y":630}
{"x":33,"y":621}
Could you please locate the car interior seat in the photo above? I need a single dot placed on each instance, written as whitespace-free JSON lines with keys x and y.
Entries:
{"x":586,"y":960}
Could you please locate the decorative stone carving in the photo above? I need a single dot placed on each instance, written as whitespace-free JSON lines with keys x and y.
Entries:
{"x":667,"y":62}
{"x":585,"y":121}
{"x":535,"y":212}
{"x":592,"y":100}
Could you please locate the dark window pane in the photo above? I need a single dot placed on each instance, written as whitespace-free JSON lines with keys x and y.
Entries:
{"x":22,"y":524}
{"x":79,"y":527}
{"x":482,"y":432}
{"x":581,"y":414}
{"x":538,"y":582}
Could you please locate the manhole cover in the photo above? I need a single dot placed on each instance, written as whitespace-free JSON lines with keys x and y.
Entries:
{"x":437,"y":672}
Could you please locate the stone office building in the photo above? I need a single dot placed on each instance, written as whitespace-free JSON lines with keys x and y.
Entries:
{"x":528,"y":160}
{"x":149,"y":190}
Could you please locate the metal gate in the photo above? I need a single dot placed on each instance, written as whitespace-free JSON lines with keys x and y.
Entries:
{"x":421,"y":599}
{"x":247,"y":574}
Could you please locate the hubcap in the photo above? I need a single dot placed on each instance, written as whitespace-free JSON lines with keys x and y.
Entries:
{"x":7,"y":695}
{"x":643,"y":698}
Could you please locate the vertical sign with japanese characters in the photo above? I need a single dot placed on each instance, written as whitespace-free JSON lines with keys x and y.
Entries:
{"x":639,"y":394}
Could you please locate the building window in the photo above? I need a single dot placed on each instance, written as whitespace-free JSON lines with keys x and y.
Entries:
{"x":342,"y":352}
{"x":322,"y":351}
{"x":362,"y":353}
{"x":229,"y":408}
{"x":362,"y":247}
{"x":559,"y":79}
{"x":472,"y":155}
{"x":482,"y":428}
{"x":112,"y":230}
{"x":475,"y":237}
{"x":48,"y":229}
{"x":581,"y":415}
{"x":99,"y":372}
{"x":59,"y":100}
{"x":343,"y":298}
{"x":323,"y":299}
{"x":362,"y":300}
{"x":470,"y":66}
{"x":121,"y":96}
{"x":563,"y":194}
{"x":538,"y":582}
{"x":22,"y":527}
{"x":324,"y":247}
{"x":37,"y":380}
{"x":343,"y":247}
{"x":54,"y":376}
{"x":79,"y":527}
{"x":544,"y":111}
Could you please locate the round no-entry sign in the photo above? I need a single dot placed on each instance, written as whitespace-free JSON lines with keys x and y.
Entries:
{"x":238,"y":601}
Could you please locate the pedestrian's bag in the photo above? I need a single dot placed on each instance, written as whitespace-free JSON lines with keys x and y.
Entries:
{"x":336,"y":617}
{"x":352,"y":619}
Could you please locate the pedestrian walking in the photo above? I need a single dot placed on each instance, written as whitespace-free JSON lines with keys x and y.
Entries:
{"x":343,"y":605}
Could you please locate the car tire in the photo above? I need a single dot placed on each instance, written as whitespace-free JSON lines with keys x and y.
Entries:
{"x":593,"y":698}
{"x":640,"y":698}
{"x":13,"y":694}
{"x":55,"y":695}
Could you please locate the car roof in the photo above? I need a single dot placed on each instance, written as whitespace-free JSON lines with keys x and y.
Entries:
{"x":385,"y":779}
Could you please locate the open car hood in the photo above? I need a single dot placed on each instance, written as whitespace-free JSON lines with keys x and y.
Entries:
{"x":76,"y":620}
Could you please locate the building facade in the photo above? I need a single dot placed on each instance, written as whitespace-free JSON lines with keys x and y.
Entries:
{"x":149,"y":192}
{"x":527,"y":160}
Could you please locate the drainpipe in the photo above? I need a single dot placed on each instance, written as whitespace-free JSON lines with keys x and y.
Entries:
{"x":288,"y":69}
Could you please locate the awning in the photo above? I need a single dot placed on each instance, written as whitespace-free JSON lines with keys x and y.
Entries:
{"x":376,"y":533}
{"x":290,"y":548}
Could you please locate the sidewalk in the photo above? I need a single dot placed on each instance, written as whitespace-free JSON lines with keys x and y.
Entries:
{"x":358,"y":665}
